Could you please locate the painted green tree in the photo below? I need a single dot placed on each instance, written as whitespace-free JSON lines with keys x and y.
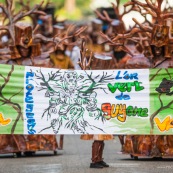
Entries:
{"x":11,"y":98}
{"x":161,"y":102}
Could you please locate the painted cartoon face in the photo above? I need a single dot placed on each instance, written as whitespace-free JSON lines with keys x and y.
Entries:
{"x":165,"y":86}
{"x":76,"y":110}
{"x":92,"y":100}
{"x":70,"y":80}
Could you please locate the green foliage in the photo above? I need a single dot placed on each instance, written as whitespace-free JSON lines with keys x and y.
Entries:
{"x":11,"y":95}
{"x":63,"y":14}
{"x":2,"y":1}
{"x":82,"y":7}
{"x":159,"y":101}
{"x":123,"y":1}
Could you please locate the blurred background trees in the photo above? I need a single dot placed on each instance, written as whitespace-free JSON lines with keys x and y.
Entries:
{"x":70,"y":9}
{"x":77,"y":9}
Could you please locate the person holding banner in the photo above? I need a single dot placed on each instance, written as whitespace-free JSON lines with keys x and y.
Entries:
{"x":98,"y":143}
{"x":97,"y":149}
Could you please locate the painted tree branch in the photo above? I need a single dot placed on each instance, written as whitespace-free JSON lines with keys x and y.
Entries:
{"x":94,"y":85}
{"x":169,"y":74}
{"x":157,"y":111}
{"x":84,"y":63}
{"x":142,"y":27}
{"x":35,"y":10}
{"x":4,"y":100}
{"x":120,"y":39}
{"x":154,"y":9}
{"x":7,"y":79}
{"x":61,"y":39}
{"x":13,"y":18}
{"x":155,"y":74}
{"x":15,"y":94}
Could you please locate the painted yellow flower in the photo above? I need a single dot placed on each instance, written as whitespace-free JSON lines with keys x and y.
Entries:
{"x":3,"y":121}
{"x":164,"y":125}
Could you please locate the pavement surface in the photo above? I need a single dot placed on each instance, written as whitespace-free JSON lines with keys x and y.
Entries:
{"x":76,"y":158}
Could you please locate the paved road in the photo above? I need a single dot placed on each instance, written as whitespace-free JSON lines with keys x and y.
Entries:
{"x":76,"y":157}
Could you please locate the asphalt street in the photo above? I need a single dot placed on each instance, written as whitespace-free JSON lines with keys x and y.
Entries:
{"x":76,"y":158}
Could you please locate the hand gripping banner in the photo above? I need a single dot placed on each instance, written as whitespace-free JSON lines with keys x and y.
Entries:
{"x":36,"y":100}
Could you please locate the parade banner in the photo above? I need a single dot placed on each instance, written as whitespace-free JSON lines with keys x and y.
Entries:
{"x":36,"y":100}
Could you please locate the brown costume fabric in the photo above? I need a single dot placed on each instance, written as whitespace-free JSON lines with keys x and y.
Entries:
{"x":97,"y":151}
{"x":98,"y":144}
{"x":23,"y":143}
{"x":148,"y":145}
{"x":100,"y":137}
{"x":61,"y":61}
{"x":105,"y":64}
